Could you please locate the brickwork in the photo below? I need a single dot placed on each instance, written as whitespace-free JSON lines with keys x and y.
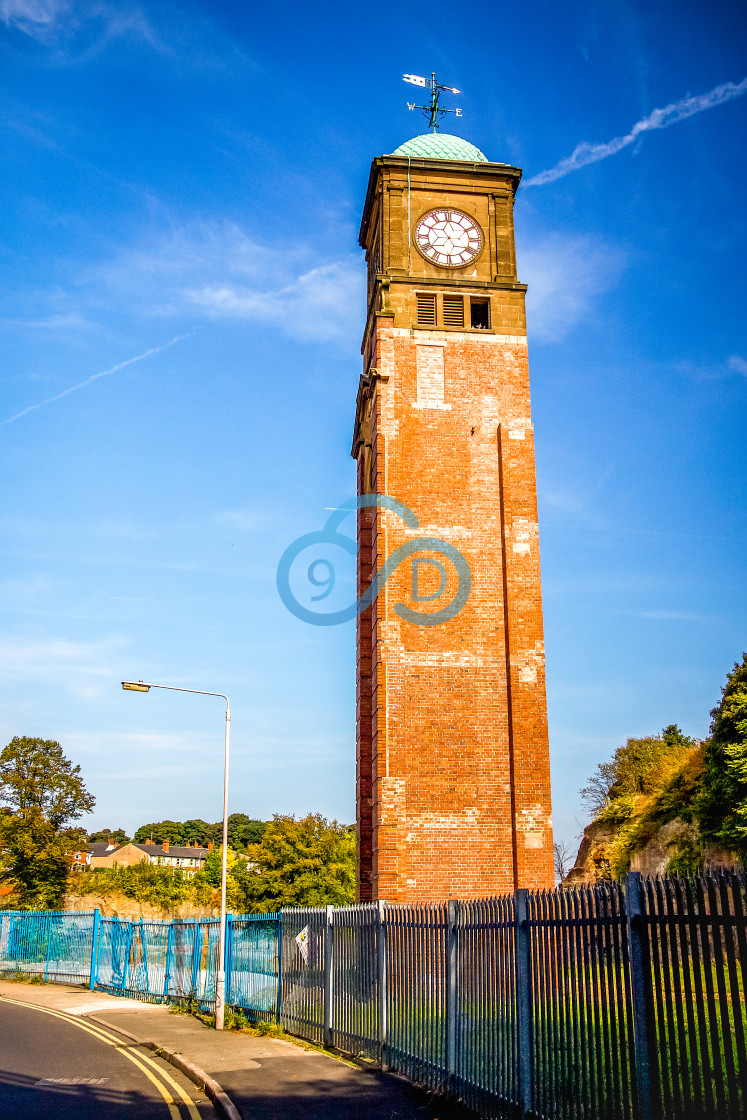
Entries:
{"x":452,"y":756}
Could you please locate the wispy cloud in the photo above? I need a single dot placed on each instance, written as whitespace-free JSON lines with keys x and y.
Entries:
{"x":217,"y":271}
{"x":585,"y":153}
{"x":718,"y":369}
{"x":95,"y":377}
{"x":59,"y":659}
{"x":33,"y":16}
{"x":675,"y":616}
{"x":128,"y":743}
{"x":73,"y":321}
{"x":50,"y":21}
{"x":566,"y":275}
{"x":317,"y":305}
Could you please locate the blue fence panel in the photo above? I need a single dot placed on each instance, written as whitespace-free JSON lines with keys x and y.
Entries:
{"x":252,"y":963}
{"x":54,"y":944}
{"x":206,"y":962}
{"x":179,"y":981}
{"x":133,"y":959}
{"x":114,"y":938}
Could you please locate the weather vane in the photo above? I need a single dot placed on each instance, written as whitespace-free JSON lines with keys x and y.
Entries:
{"x":434,"y":110}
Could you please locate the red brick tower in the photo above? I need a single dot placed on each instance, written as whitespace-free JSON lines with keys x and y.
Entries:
{"x":453,"y":778}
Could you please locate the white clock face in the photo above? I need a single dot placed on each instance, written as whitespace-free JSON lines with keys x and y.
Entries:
{"x":448,"y":238}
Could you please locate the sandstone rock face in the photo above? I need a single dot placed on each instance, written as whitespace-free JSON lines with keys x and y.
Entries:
{"x":671,"y":838}
{"x":595,"y":862}
{"x":129,"y":909}
{"x":592,"y":861}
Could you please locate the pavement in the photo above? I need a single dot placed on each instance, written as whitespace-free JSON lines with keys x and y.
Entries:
{"x":263,"y":1078}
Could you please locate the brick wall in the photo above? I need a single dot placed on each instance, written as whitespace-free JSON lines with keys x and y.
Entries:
{"x":452,"y":755}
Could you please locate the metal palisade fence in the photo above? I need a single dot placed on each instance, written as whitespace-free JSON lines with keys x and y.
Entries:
{"x":609,"y":1002}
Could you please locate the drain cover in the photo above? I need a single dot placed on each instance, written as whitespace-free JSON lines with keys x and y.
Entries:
{"x":72,"y":1081}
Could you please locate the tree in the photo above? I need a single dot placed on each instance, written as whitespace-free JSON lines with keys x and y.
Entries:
{"x":42,"y":792}
{"x":146,"y":882}
{"x":564,"y":857}
{"x":160,"y":831}
{"x":721,"y":808}
{"x":639,"y":766}
{"x":118,"y":835}
{"x":597,"y":793}
{"x":196,"y":831}
{"x":243,"y":830}
{"x":212,"y":869}
{"x":36,"y":775}
{"x":310,"y":862}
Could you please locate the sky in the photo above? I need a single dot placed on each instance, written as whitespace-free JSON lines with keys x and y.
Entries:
{"x":182,"y":301}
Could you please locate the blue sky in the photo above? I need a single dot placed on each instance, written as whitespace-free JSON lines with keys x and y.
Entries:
{"x":182,"y":187}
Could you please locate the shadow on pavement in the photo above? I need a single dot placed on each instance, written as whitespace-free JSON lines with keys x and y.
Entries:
{"x":31,"y":1098}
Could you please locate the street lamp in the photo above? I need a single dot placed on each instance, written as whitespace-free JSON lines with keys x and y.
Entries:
{"x":220,"y":987}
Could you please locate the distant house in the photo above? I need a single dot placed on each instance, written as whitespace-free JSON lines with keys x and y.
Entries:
{"x":82,"y":859}
{"x":188,"y":858}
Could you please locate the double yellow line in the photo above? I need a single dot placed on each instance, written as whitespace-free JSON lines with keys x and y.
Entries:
{"x":161,"y":1082}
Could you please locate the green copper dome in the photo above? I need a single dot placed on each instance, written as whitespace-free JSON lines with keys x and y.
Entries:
{"x":440,"y":145}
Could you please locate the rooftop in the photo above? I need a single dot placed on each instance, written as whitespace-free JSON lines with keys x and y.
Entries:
{"x":101,"y":848}
{"x":441,"y":145}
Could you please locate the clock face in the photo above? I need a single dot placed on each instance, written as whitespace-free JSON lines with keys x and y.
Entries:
{"x":448,"y":238}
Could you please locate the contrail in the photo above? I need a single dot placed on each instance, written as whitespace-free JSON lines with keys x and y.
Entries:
{"x":660,"y":118}
{"x":95,"y":377}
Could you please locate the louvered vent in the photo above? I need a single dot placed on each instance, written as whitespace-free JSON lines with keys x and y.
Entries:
{"x":426,"y":309}
{"x":453,"y":311}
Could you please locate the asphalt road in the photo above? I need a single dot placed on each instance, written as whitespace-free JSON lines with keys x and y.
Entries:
{"x":55,"y":1065}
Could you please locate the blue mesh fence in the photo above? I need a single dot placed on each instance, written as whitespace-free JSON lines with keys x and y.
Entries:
{"x":147,"y":960}
{"x":252,"y":963}
{"x":53,"y":944}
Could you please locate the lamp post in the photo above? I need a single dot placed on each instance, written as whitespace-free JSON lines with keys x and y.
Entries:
{"x":220,"y":987}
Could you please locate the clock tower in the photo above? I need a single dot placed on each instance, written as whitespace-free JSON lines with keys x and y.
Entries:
{"x":453,"y":778}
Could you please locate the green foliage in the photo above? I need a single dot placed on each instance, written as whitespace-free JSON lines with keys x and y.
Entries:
{"x":654,"y":781}
{"x":267,"y":1029}
{"x":236,"y":1020}
{"x":242,"y":830}
{"x":34,"y":859}
{"x":648,"y":782}
{"x":618,"y":809}
{"x":188,"y":1005}
{"x":212,"y":869}
{"x":678,"y":797}
{"x":35,"y":774}
{"x":688,"y":860}
{"x":118,"y":835}
{"x":42,"y":792}
{"x":722,"y":807}
{"x":162,"y":830}
{"x":145,"y":882}
{"x":640,"y":768}
{"x":310,"y":862}
{"x":197,"y":831}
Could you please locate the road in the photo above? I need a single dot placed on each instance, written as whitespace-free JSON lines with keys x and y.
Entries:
{"x":55,"y":1065}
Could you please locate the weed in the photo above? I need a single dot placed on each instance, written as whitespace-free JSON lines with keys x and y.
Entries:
{"x":189,"y":1005}
{"x":235,"y":1020}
